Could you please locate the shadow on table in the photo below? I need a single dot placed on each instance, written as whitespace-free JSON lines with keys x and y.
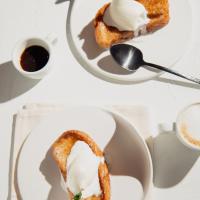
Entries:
{"x":12,"y":83}
{"x":109,"y":65}
{"x":172,"y":160}
{"x":60,"y":1}
{"x":52,"y":175}
{"x":179,"y":83}
{"x":125,"y":157}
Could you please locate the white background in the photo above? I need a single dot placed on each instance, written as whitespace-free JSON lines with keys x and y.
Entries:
{"x":69,"y":83}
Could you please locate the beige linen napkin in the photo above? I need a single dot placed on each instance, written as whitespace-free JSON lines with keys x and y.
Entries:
{"x":29,"y":116}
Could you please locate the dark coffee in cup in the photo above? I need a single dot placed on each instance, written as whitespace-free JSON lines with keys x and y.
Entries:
{"x":34,"y":58}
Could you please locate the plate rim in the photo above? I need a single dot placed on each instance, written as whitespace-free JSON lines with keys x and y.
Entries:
{"x":121,"y":79}
{"x":112,"y":113}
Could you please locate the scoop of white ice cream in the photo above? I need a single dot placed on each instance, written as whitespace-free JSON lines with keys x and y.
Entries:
{"x":128,"y":15}
{"x":82,"y":171}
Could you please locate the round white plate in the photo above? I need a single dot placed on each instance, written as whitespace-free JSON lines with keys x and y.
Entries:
{"x":164,"y":47}
{"x":38,"y":176}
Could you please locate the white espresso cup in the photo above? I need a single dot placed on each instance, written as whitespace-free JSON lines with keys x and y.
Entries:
{"x":22,"y":45}
{"x":188,"y":126}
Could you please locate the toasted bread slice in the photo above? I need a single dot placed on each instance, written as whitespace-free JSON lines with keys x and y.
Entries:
{"x":158,"y":13}
{"x":61,"y":150}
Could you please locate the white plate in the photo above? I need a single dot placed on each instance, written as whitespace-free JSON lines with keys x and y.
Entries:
{"x":127,"y":154}
{"x":164,"y":47}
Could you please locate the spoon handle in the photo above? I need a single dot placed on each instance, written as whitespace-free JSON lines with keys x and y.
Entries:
{"x":190,"y":78}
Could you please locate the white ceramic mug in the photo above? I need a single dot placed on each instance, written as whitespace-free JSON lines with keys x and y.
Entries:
{"x":22,"y":45}
{"x":188,"y":126}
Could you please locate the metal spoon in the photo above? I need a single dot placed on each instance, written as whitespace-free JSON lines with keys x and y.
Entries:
{"x":131,"y":58}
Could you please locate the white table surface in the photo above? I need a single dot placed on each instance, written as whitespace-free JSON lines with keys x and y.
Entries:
{"x":69,"y":83}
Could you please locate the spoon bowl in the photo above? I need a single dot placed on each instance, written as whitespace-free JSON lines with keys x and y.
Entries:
{"x":127,"y":56}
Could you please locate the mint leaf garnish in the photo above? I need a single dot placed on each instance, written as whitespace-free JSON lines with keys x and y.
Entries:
{"x":78,"y":196}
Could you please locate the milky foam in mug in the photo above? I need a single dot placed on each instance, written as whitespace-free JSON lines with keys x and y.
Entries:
{"x":188,"y":125}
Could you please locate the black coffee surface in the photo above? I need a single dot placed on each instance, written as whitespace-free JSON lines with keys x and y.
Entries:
{"x":34,"y":58}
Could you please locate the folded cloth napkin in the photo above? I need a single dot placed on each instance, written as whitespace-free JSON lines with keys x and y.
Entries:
{"x":29,"y":116}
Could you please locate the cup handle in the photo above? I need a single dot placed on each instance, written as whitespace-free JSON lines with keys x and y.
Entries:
{"x":167,"y":127}
{"x":162,"y":128}
{"x":51,"y":38}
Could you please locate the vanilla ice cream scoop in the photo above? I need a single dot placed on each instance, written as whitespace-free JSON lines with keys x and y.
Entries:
{"x":126,"y":15}
{"x":82,"y":171}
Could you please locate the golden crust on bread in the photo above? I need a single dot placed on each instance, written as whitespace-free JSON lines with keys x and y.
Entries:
{"x":61,"y":150}
{"x":158,"y":13}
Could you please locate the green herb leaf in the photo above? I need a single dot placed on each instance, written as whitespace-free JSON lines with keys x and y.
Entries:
{"x":78,"y":196}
